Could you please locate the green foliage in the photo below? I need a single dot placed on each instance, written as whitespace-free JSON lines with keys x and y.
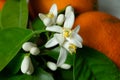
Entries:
{"x":87,"y":63}
{"x":38,"y":25}
{"x":65,"y":75}
{"x":39,"y":74}
{"x":15,"y":14}
{"x":0,"y":21}
{"x":11,"y":40}
{"x":16,"y":63}
{"x":90,"y":64}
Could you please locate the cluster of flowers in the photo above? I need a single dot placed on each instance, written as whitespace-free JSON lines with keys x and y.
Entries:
{"x":64,"y":35}
{"x":62,"y":25}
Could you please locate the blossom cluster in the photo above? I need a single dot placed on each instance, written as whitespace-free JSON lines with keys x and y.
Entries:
{"x":64,"y":35}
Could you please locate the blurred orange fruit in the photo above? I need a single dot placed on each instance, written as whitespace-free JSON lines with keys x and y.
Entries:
{"x":43,"y":6}
{"x":2,"y":2}
{"x":101,"y":31}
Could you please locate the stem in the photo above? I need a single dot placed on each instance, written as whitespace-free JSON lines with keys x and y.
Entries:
{"x":40,"y":31}
{"x":73,"y":67}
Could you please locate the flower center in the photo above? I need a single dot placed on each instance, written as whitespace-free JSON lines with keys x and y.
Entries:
{"x":72,"y":48}
{"x":50,"y":15}
{"x":66,"y":33}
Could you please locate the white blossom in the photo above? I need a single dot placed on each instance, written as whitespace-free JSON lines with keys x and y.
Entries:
{"x":61,"y":32}
{"x":65,"y":36}
{"x":50,"y":18}
{"x":70,"y":45}
{"x":27,"y":66}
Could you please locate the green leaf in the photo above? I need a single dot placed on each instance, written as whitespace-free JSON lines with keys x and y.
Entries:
{"x":38,"y":25}
{"x":0,"y":21}
{"x":15,"y":14}
{"x":66,"y":74}
{"x":40,"y":74}
{"x":90,"y":64}
{"x":63,"y":74}
{"x":11,"y":40}
{"x":16,"y":61}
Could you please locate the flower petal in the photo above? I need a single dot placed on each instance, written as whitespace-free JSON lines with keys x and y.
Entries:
{"x":47,"y":21}
{"x":65,"y":66}
{"x":42,"y":16}
{"x":53,"y":10}
{"x":68,"y":9}
{"x":54,"y":28}
{"x":69,"y":20}
{"x":76,"y":36}
{"x":78,"y":44}
{"x":59,"y":38}
{"x":62,"y":56}
{"x":77,"y":29}
{"x":51,"y":65}
{"x":75,"y":42}
{"x":52,"y":42}
{"x":66,"y":45}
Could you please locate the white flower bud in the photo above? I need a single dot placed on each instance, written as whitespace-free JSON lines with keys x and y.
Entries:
{"x":31,"y":70}
{"x":60,"y":19}
{"x":52,"y":66}
{"x":26,"y":66}
{"x":68,"y":9}
{"x":28,"y":45}
{"x":47,"y":21}
{"x":65,"y":66}
{"x":34,"y":51}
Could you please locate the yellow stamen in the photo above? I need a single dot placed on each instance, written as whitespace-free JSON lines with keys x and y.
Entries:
{"x":66,"y":33}
{"x":50,"y":15}
{"x":72,"y":48}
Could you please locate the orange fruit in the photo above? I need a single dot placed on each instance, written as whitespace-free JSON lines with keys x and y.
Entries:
{"x":101,"y":31}
{"x":43,"y":6}
{"x":2,"y":2}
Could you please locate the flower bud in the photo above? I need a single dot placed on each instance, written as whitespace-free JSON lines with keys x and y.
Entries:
{"x":28,"y":45}
{"x":65,"y":66}
{"x":52,"y":66}
{"x":47,"y":21}
{"x":26,"y":66}
{"x":31,"y":70}
{"x":34,"y":51}
{"x":60,"y":19}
